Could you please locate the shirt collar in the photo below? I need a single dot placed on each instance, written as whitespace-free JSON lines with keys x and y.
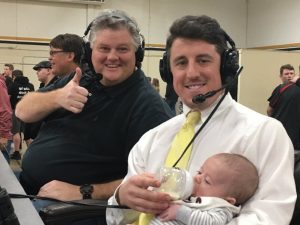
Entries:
{"x":206,"y":112}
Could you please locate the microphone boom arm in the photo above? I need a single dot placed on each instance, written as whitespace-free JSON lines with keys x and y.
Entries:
{"x":202,"y":97}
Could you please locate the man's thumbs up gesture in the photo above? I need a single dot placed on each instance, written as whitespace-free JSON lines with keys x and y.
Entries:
{"x":72,"y":96}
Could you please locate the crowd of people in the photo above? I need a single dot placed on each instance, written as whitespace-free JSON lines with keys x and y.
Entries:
{"x":100,"y":130}
{"x":15,"y":87}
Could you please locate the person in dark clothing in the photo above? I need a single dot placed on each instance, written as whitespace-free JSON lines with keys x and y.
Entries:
{"x":19,"y":89}
{"x":171,"y":97}
{"x":65,"y":56}
{"x":284,"y":104}
{"x":91,"y":121}
{"x":46,"y":77}
{"x":66,"y":53}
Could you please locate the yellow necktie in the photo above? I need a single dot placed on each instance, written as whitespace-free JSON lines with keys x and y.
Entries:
{"x":181,"y":140}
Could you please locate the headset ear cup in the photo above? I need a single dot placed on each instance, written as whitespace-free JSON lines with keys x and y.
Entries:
{"x":229,"y":65}
{"x":87,"y":55}
{"x":164,"y":69}
{"x":139,"y":56}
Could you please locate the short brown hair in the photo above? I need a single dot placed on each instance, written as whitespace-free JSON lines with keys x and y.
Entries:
{"x":69,"y":43}
{"x":10,"y":66}
{"x":286,"y":67}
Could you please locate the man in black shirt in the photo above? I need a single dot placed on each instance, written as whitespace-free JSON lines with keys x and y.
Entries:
{"x":284,"y":103}
{"x":46,"y":77}
{"x":91,"y":124}
{"x":171,"y":97}
{"x":65,"y":54}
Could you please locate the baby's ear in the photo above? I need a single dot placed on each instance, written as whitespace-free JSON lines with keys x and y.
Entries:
{"x":231,"y":200}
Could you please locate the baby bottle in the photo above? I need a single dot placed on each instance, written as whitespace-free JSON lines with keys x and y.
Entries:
{"x":178,"y":183}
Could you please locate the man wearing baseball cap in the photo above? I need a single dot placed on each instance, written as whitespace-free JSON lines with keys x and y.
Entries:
{"x":46,"y":77}
{"x":44,"y":73}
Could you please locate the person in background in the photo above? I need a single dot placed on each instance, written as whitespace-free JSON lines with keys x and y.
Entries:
{"x":91,"y":121}
{"x":155,"y":84}
{"x":284,"y":104}
{"x":44,"y":73}
{"x":202,"y":58}
{"x":66,"y":53}
{"x":46,"y":77}
{"x":5,"y":118}
{"x":222,"y":184}
{"x":171,"y":96}
{"x":7,"y":73}
{"x":19,"y":89}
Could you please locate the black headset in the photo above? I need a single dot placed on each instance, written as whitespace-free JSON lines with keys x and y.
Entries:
{"x":229,"y":64}
{"x":139,"y":54}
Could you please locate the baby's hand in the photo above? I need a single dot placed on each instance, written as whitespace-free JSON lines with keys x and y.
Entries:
{"x":169,"y":213}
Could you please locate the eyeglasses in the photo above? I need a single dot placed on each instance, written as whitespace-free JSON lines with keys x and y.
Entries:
{"x":53,"y":52}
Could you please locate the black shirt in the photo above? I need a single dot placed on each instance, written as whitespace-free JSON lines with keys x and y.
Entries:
{"x":9,"y":82}
{"x":19,"y":88}
{"x":286,"y":109}
{"x":31,"y":129}
{"x":93,"y":146}
{"x":171,"y":96}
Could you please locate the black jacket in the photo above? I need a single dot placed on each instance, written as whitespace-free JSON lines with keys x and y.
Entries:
{"x":20,"y":87}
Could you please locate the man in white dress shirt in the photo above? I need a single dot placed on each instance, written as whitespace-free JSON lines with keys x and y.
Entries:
{"x":202,"y":59}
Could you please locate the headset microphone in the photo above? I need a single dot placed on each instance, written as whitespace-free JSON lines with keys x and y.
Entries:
{"x":202,"y":97}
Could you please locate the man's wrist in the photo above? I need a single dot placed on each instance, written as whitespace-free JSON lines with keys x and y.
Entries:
{"x":86,"y":191}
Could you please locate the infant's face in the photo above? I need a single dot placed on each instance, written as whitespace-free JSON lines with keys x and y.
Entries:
{"x":212,"y":179}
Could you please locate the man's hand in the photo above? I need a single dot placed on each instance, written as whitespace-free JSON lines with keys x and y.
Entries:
{"x":169,"y":213}
{"x":134,"y":194}
{"x":60,"y":190}
{"x":72,"y":97}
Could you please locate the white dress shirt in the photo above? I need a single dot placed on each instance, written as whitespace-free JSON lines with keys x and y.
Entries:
{"x":233,"y":128}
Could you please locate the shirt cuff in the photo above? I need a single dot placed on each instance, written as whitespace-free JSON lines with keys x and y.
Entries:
{"x":184,"y":214}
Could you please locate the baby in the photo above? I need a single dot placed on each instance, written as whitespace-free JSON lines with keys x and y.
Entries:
{"x":224,"y":182}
